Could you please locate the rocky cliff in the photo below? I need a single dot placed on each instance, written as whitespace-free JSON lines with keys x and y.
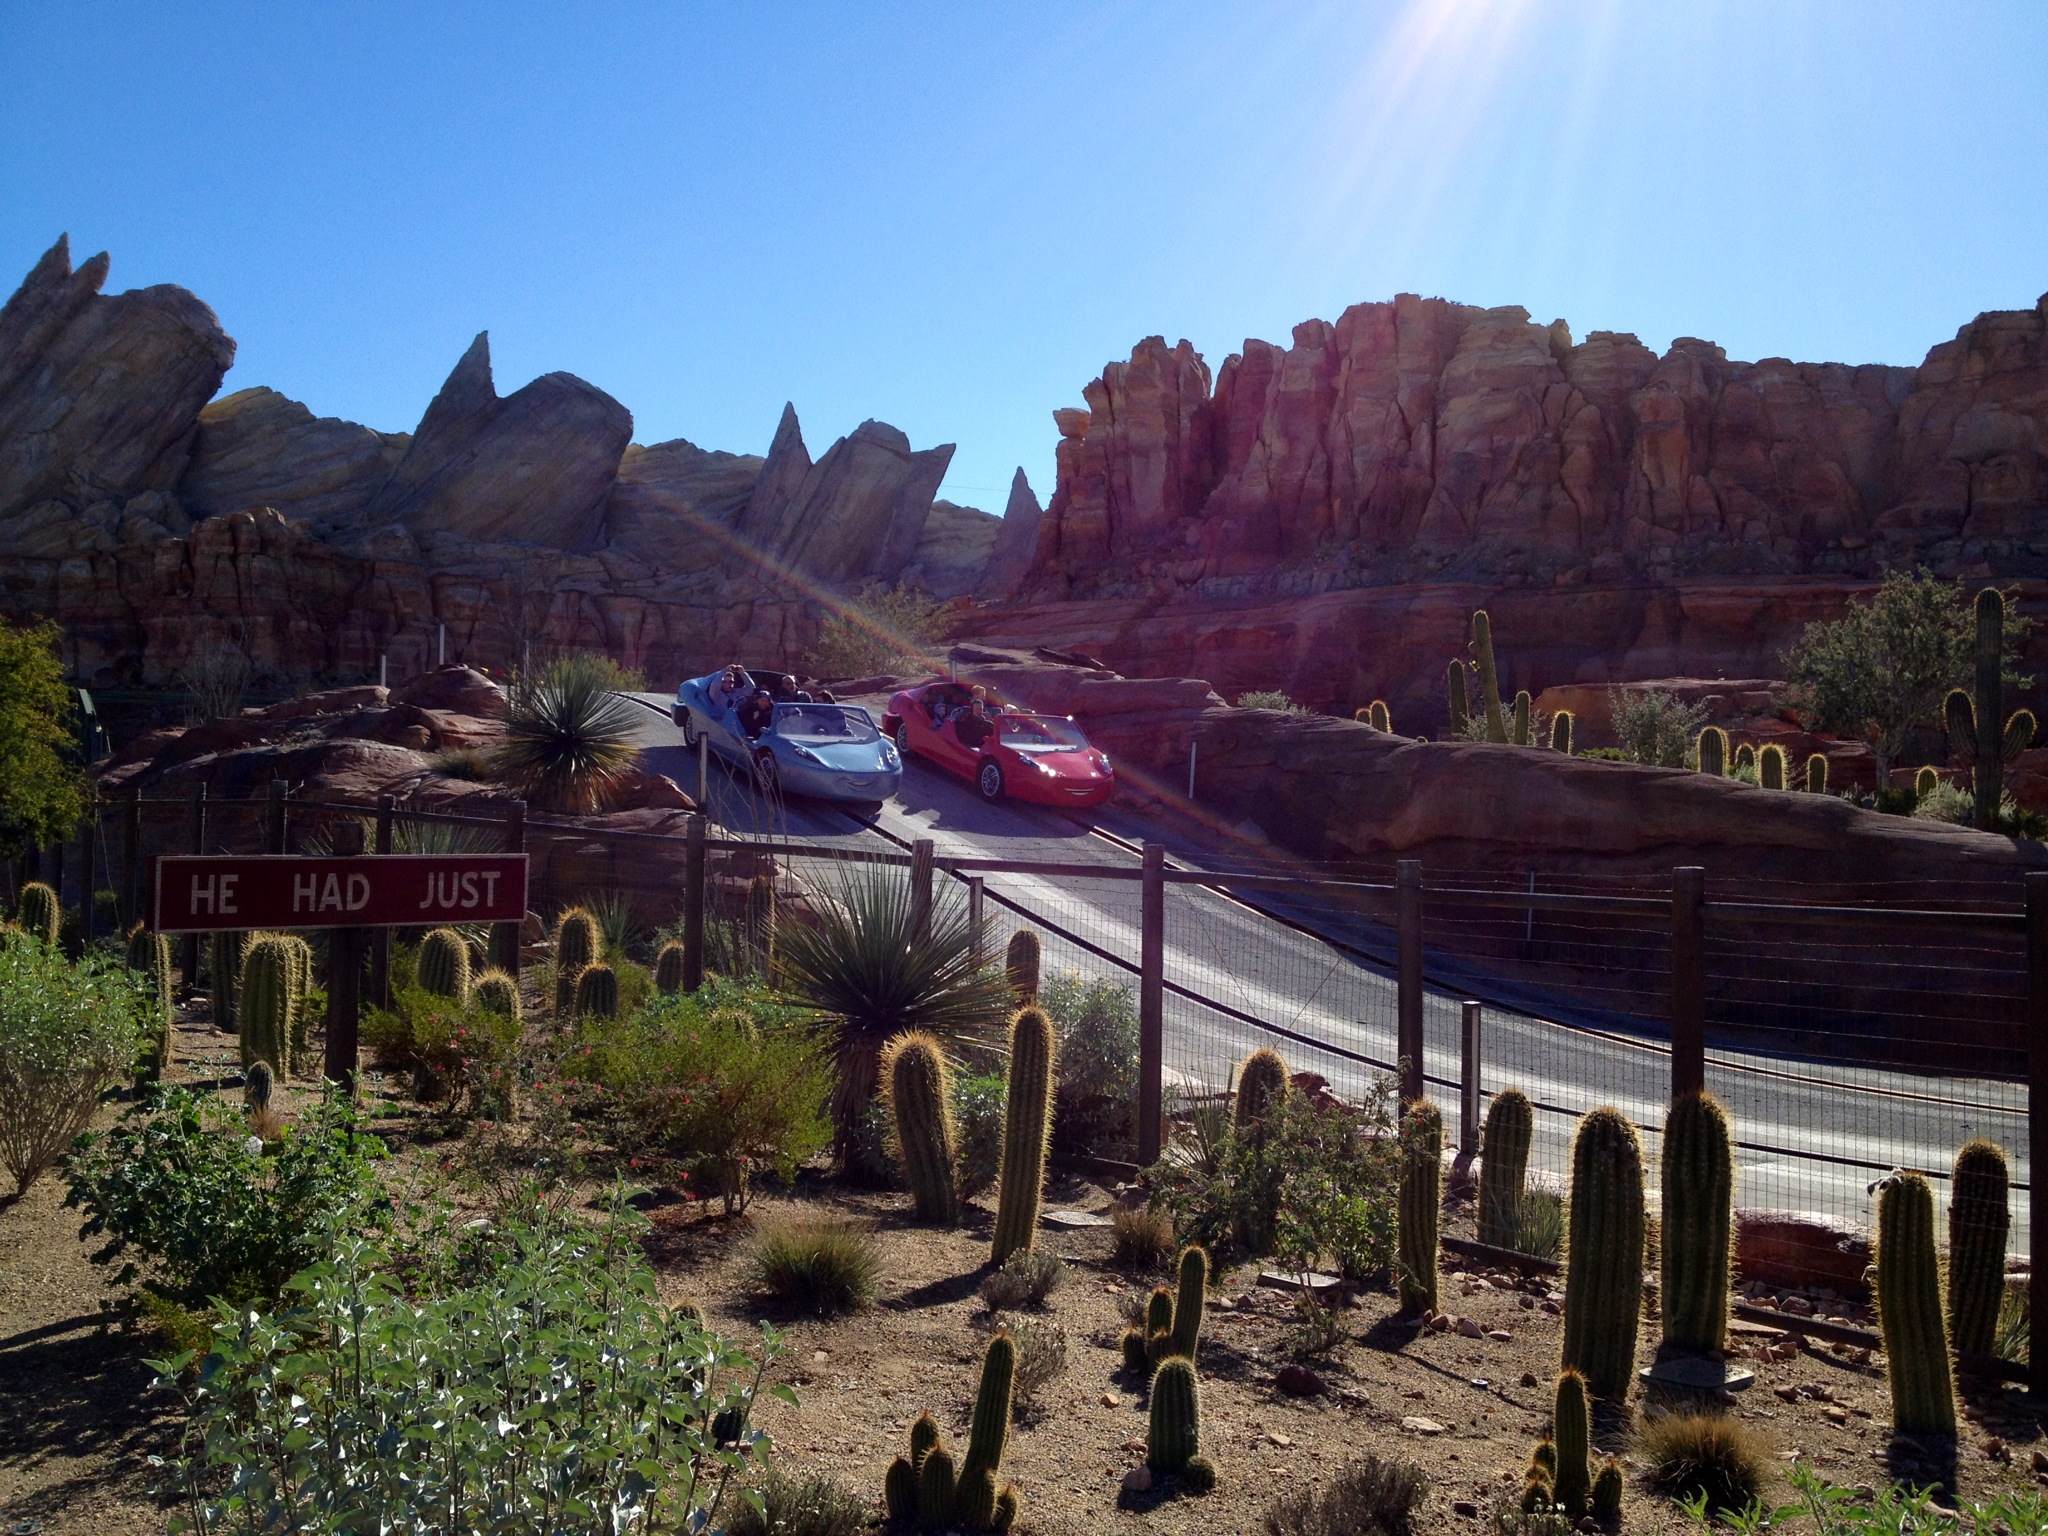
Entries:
{"x":155,"y":521}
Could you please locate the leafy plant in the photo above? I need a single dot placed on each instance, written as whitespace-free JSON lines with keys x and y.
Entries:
{"x":2013,"y":1334}
{"x":1886,"y":1510}
{"x":460,"y":1052}
{"x":68,"y":1032}
{"x":1315,"y":1331}
{"x":799,"y":1505}
{"x":1539,"y":1225}
{"x":883,"y":629}
{"x":978,"y":1123}
{"x":866,"y":969}
{"x":360,"y":1408}
{"x":818,"y":1265}
{"x":1371,"y":1495}
{"x":1270,"y":698}
{"x":1653,"y":726}
{"x":1712,"y":1455}
{"x":42,"y":791}
{"x":1097,"y":1024}
{"x":1026,"y":1279}
{"x":569,"y":739}
{"x":192,"y":1203}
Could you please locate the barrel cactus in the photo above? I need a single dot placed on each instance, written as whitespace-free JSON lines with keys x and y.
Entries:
{"x":1262,"y":1083}
{"x":444,"y":964}
{"x":1816,"y":774}
{"x":1770,"y":766}
{"x":918,"y":1085}
{"x":1454,"y":687}
{"x":259,"y":1087}
{"x":928,"y":1491}
{"x":1173,"y":1431}
{"x":268,"y":1004}
{"x":1571,"y":1481}
{"x":936,"y":1486}
{"x":1561,"y":725}
{"x":1711,"y":751}
{"x":668,"y":968}
{"x":1379,"y":717}
{"x":1979,"y":1218}
{"x":1909,"y":1309}
{"x":577,"y":943}
{"x":1519,"y":732}
{"x":224,"y":968}
{"x":1027,"y":1128}
{"x":1699,"y":1202}
{"x":1607,"y":1491}
{"x":495,"y":992}
{"x":1020,"y":965}
{"x":38,"y":912}
{"x":1504,"y":1167}
{"x":597,"y":993}
{"x":1603,"y":1286}
{"x":1421,"y":1204}
{"x":1489,"y":679}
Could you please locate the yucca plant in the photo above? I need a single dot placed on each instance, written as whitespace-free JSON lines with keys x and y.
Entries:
{"x":865,"y":970}
{"x":568,"y":739}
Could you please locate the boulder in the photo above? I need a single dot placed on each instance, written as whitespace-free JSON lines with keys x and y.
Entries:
{"x":257,"y":448}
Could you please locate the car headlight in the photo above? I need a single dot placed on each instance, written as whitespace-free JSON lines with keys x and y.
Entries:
{"x":806,"y":754}
{"x":1045,"y":768}
{"x":1102,"y":761}
{"x":889,"y":756}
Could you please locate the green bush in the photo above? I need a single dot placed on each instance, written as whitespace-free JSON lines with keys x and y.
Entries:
{"x":884,"y":629}
{"x":695,"y":1081}
{"x":552,"y":1390}
{"x":1097,"y":1021}
{"x":459,"y":1052}
{"x":189,"y":1202}
{"x":818,"y":1265}
{"x":1271,"y":698}
{"x":1888,"y":1510}
{"x":978,"y":1124}
{"x":1653,"y":726}
{"x":68,"y":1032}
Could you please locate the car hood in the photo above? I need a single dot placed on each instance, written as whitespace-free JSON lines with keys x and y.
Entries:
{"x":845,"y":756}
{"x":1077,"y":764}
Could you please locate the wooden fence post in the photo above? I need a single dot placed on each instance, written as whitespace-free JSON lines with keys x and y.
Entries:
{"x":693,"y":901}
{"x":2037,"y":1122}
{"x":345,"y":1005}
{"x":131,"y":857}
{"x":921,"y":853}
{"x":1688,"y":980}
{"x":1152,"y":1006}
{"x":380,"y":941}
{"x":88,"y":834}
{"x":274,"y":827}
{"x":198,"y":846}
{"x":1468,"y":1078}
{"x":977,"y":918}
{"x":1408,"y":951}
{"x":505,"y":937}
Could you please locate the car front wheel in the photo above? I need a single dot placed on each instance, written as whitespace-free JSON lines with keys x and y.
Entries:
{"x":688,"y":722}
{"x":903,"y":741}
{"x":990,"y":780}
{"x":765,"y":774}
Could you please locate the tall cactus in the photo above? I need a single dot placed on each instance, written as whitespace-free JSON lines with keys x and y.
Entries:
{"x":1571,"y":1481}
{"x":1925,"y":782}
{"x":1489,"y":679}
{"x":668,"y":968}
{"x":1770,"y":766}
{"x":1454,"y":686}
{"x":1020,"y":965}
{"x":267,"y":1004}
{"x":1191,"y":1296}
{"x":444,"y":965}
{"x":1699,"y":1204}
{"x":1561,"y":725}
{"x":1979,"y":1218}
{"x":1519,"y":733}
{"x":577,"y":943}
{"x":1504,"y":1167}
{"x":1711,"y":751}
{"x":1603,"y":1285}
{"x":1027,"y":1126}
{"x":259,"y":1087}
{"x":597,"y":993}
{"x":919,"y":1088}
{"x":1909,"y":1309}
{"x":1421,"y":1205}
{"x":1173,"y":1430}
{"x":988,"y":1433}
{"x":929,"y":1491}
{"x":39,"y":912}
{"x":149,"y":955}
{"x":1816,"y":773}
{"x":1379,"y":717}
{"x":1967,"y":727}
{"x":224,"y":953}
{"x":495,"y":992}
{"x":1262,"y":1086}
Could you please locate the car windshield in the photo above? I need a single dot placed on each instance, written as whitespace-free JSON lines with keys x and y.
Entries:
{"x":1040,"y":733}
{"x":814,"y":723}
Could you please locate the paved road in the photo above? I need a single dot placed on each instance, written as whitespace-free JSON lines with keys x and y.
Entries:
{"x":1852,"y":1124}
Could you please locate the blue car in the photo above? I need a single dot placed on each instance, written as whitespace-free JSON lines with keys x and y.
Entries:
{"x":824,"y":751}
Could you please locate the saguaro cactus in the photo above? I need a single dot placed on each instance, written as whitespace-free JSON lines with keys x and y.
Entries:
{"x":444,"y":964}
{"x":1699,"y":1194}
{"x":919,"y":1087}
{"x":1924,"y":782}
{"x":1027,"y":1127}
{"x":1561,"y":732}
{"x":1770,"y":766}
{"x":268,"y":1002}
{"x":1173,"y":1431}
{"x":1572,"y":1433}
{"x":1523,"y":706}
{"x":496,"y":992}
{"x":1379,"y":717}
{"x":1262,"y":1086}
{"x":1454,"y":687}
{"x":1422,"y":1203}
{"x":1712,"y":751}
{"x":1979,"y":1218}
{"x":224,"y":953}
{"x":668,"y":968}
{"x":38,"y":911}
{"x":1909,"y":1309}
{"x":1489,"y":679}
{"x":1603,"y":1286}
{"x":1020,"y":965}
{"x":597,"y":992}
{"x":1504,"y":1167}
{"x":1967,"y":727}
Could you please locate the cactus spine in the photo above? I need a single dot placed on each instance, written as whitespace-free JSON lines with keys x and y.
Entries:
{"x":1711,"y":751}
{"x":597,"y":992}
{"x":39,"y":912}
{"x":1489,"y":679}
{"x":1561,"y":732}
{"x":1027,"y":1126}
{"x":1020,"y":965}
{"x":1978,"y":1220}
{"x":577,"y":942}
{"x":668,"y":968}
{"x":1909,"y":1309}
{"x":495,"y":992}
{"x":1770,"y":766}
{"x":268,"y":1003}
{"x":1603,"y":1283}
{"x":1699,"y":1194}
{"x":1173,"y":1429}
{"x":1379,"y":717}
{"x":1422,"y":1203}
{"x":258,"y":1087}
{"x":1454,"y":685}
{"x":1572,"y":1433}
{"x":919,"y":1088}
{"x":1504,"y":1167}
{"x":444,"y":964}
{"x":1523,"y":705}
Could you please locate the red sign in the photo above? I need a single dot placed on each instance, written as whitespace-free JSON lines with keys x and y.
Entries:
{"x":203,"y":892}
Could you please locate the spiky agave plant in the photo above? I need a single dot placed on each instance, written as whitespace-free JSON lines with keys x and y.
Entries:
{"x":865,"y":970}
{"x":568,"y":739}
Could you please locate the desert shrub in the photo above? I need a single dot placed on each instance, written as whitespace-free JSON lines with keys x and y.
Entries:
{"x":1605,"y":755}
{"x":1371,"y":1495}
{"x":695,"y":1081}
{"x":1315,"y":1331}
{"x":1951,"y":802}
{"x":1141,"y":1238}
{"x":1026,"y":1279}
{"x":1270,"y":698}
{"x":1539,"y":1224}
{"x":470,"y":763}
{"x":1887,"y":1510}
{"x":459,"y":1053}
{"x":1713,"y":1456}
{"x":2014,"y":1329}
{"x":884,"y":629}
{"x":192,"y":1204}
{"x":360,"y":1408}
{"x":42,"y":790}
{"x":1041,"y":1359}
{"x":1512,"y":1520}
{"x":793,"y":1505}
{"x":1653,"y":726}
{"x":978,"y":1104}
{"x":619,"y":928}
{"x":68,"y":1032}
{"x":1097,"y":1021}
{"x":818,"y":1265}
{"x":569,"y":739}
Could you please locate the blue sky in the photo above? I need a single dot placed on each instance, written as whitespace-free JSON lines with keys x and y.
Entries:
{"x":951,"y":216}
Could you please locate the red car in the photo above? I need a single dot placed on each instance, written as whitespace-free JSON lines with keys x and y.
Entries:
{"x":1041,"y":758}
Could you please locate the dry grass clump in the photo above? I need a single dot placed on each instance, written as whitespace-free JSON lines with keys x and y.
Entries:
{"x":1688,"y":1454}
{"x":822,"y":1266}
{"x":1142,"y":1238}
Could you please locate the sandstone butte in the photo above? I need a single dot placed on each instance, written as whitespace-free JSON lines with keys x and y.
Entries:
{"x":1320,"y":517}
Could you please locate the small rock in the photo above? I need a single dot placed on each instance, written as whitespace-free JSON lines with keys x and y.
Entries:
{"x":1500,"y":1336}
{"x":1279,"y":1439}
{"x":1465,"y":1508}
{"x":1440,"y":1323}
{"x":1789,"y":1393}
{"x":1555,"y":1309}
{"x":1422,"y":1426}
{"x":1836,"y":1413}
{"x":2041,"y":1463}
{"x":1798,"y":1306}
{"x":1480,"y":1383}
{"x":1138,"y":1480}
{"x":1997,"y":1449}
{"x":1110,"y":1400}
{"x":1468,"y":1327}
{"x":1527,"y":1303}
{"x":1298,"y":1380}
{"x":819,"y":1357}
{"x":1528,"y":1378}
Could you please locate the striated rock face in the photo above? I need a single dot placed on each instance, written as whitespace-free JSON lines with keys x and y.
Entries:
{"x":257,"y":448}
{"x":1009,"y":561}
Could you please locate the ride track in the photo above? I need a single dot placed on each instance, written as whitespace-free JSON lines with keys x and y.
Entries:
{"x":1286,"y":956}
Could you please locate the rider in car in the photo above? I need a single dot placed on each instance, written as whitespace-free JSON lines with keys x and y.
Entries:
{"x":733,"y":685}
{"x":974,"y":728}
{"x":757,"y":713}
